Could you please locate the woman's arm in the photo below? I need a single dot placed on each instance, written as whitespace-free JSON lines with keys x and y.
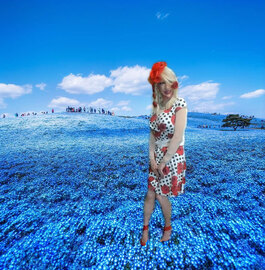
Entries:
{"x":152,"y":146}
{"x":180,"y":126}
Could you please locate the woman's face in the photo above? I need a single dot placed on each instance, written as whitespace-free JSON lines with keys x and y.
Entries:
{"x":165,"y":89}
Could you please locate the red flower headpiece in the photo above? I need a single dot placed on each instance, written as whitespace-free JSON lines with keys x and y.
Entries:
{"x":175,"y":85}
{"x":156,"y":71}
{"x":155,"y":75}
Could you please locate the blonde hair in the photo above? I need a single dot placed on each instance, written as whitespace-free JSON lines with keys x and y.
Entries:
{"x":169,"y":77}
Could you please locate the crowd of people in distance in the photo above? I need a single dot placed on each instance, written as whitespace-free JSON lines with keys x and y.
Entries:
{"x":89,"y":110}
{"x":209,"y":126}
{"x":27,"y":113}
{"x":219,"y":126}
{"x":68,"y":109}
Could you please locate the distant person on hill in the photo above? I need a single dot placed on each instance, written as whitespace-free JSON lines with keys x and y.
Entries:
{"x":52,"y":110}
{"x":167,"y":165}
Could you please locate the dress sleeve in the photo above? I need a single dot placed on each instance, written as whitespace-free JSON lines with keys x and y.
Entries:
{"x":152,"y":146}
{"x":181,"y":113}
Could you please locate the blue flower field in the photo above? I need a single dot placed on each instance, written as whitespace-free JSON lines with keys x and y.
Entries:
{"x":72,"y":188}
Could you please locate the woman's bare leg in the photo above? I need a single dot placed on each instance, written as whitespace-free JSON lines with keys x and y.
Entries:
{"x":149,"y":204}
{"x":166,"y":209}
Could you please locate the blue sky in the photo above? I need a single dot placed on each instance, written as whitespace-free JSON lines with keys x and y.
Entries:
{"x":99,"y":53}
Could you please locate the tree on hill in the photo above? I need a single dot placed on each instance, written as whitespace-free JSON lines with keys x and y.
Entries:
{"x":235,"y":121}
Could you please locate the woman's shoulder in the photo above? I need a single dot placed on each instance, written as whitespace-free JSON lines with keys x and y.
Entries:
{"x":180,"y":102}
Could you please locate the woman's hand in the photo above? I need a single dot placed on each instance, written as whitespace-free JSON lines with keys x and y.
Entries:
{"x":154,"y":167}
{"x":160,"y":169}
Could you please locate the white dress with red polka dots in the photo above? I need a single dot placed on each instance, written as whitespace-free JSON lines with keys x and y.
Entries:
{"x":163,"y":127}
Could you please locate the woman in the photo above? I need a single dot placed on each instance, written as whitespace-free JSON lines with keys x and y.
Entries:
{"x":166,"y":146}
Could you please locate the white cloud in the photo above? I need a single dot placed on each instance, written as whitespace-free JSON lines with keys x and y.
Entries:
{"x":227,"y":97}
{"x":127,"y":80}
{"x":183,"y":77}
{"x":126,"y":108}
{"x":206,"y":90}
{"x":100,"y":103}
{"x":123,"y":103}
{"x":122,"y":106}
{"x":41,"y":85}
{"x":130,"y":80}
{"x":63,"y":102}
{"x":14,"y":91}
{"x":76,"y":84}
{"x":210,"y":106}
{"x":160,"y":16}
{"x":201,"y":97}
{"x":115,"y":109}
{"x":254,"y":94}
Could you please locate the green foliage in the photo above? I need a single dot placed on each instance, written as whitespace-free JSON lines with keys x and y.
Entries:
{"x":235,"y":121}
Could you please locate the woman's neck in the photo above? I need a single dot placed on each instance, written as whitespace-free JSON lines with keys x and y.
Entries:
{"x":166,"y":101}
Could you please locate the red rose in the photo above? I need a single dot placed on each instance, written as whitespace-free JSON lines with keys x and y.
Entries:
{"x":157,"y":133}
{"x":166,"y":170}
{"x":179,"y":186}
{"x":164,"y":149}
{"x":162,"y":127}
{"x":173,"y":119}
{"x":184,"y":166}
{"x":180,"y":150}
{"x":175,"y":85}
{"x":156,"y":71}
{"x":183,"y":180}
{"x":174,"y":180}
{"x":151,"y":187}
{"x":150,"y":179}
{"x":174,"y":190}
{"x":168,"y":110}
{"x":180,"y":167}
{"x":165,"y":189}
{"x":153,"y":118}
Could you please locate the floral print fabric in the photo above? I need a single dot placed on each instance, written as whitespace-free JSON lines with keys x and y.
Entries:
{"x":163,"y":127}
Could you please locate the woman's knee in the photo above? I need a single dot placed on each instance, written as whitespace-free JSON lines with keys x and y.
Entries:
{"x":150,"y":195}
{"x":160,"y":198}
